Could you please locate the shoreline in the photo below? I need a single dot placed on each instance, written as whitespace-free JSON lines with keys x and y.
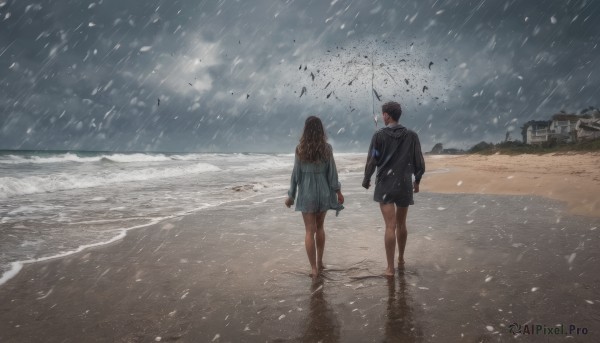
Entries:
{"x":17,"y":266}
{"x":238,"y":272}
{"x":446,"y":177}
{"x":241,"y":275}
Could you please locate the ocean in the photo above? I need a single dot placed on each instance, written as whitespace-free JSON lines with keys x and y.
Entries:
{"x":57,"y":203}
{"x":53,"y":204}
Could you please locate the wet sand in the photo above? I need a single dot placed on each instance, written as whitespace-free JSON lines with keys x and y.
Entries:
{"x":476,"y":264}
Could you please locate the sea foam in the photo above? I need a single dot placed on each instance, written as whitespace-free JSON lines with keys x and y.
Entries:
{"x":11,"y":186}
{"x":118,"y":158}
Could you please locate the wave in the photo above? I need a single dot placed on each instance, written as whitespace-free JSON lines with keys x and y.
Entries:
{"x":266,"y":165}
{"x":118,"y":158}
{"x":10,"y":186}
{"x":16,"y":266}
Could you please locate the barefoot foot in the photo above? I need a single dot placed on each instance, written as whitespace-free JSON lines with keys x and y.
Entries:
{"x":389,"y":272}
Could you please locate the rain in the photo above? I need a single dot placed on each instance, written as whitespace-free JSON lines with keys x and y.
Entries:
{"x":196,"y":55}
{"x":146,"y":150}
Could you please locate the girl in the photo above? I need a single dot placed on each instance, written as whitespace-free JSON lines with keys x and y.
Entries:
{"x":315,"y":178}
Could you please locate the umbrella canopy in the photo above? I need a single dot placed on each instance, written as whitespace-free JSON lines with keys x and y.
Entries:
{"x":366,"y":74}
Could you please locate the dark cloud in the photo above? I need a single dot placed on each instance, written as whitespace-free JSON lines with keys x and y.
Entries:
{"x":78,"y":75}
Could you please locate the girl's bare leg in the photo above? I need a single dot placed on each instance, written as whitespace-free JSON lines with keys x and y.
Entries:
{"x":320,"y":238}
{"x":310,"y":224}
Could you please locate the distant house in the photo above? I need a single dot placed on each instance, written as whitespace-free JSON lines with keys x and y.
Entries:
{"x":562,"y":127}
{"x":536,"y":131}
{"x":587,"y":129}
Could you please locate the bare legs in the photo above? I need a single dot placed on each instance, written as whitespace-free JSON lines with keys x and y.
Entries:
{"x":395,"y":232}
{"x":314,"y":241}
{"x":389,"y":217}
{"x":401,"y":232}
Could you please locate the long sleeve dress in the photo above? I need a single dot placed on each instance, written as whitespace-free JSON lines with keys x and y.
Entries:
{"x":314,"y":186}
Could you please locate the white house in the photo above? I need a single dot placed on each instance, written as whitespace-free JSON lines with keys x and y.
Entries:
{"x":537,"y":132}
{"x":588,"y":129}
{"x":562,"y":127}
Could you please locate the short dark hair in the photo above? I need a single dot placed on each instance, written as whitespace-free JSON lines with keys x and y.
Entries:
{"x":393,"y":109}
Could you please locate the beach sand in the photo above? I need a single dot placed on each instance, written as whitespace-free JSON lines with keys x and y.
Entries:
{"x":571,"y":178}
{"x":476,"y":263}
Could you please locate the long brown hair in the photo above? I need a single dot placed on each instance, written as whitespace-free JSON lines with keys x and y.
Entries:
{"x":313,"y":145}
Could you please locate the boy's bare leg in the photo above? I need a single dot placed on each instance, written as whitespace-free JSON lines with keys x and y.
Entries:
{"x":401,"y":232}
{"x":320,"y":238}
{"x":389,"y":216}
{"x":310,"y":224}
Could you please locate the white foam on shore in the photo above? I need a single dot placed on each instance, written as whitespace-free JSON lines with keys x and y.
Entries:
{"x":119,"y":158}
{"x":15,"y":267}
{"x":10,"y":186}
{"x":265,"y":165}
{"x":18,"y":265}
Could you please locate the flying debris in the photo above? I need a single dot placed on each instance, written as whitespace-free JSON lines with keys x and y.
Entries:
{"x":158,"y":102}
{"x":445,"y":59}
{"x":239,"y":42}
{"x":303,"y":91}
{"x":376,"y":94}
{"x":247,"y":96}
{"x":352,"y":110}
{"x":430,"y":64}
{"x":304,"y":68}
{"x":383,"y":75}
{"x":425,"y":88}
{"x":189,"y":83}
{"x":312,"y":76}
{"x":300,"y":67}
{"x":411,"y":44}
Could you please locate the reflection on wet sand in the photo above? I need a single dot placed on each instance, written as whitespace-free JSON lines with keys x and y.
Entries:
{"x":321,"y":324}
{"x":400,"y":325}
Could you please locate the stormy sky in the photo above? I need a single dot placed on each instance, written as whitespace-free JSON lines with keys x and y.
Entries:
{"x":83,"y":75}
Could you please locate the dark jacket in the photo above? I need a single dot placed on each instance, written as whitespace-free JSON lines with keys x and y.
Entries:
{"x":396,"y":153}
